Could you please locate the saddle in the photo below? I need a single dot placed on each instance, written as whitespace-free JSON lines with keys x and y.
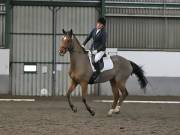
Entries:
{"x":100,"y":64}
{"x":104,"y":64}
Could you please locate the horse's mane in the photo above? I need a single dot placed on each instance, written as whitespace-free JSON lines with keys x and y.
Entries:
{"x":77,"y":41}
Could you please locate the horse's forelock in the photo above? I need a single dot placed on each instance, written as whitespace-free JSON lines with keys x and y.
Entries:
{"x":69,"y":33}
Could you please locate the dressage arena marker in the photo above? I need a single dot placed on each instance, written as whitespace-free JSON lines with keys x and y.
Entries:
{"x":18,"y":100}
{"x":142,"y":102}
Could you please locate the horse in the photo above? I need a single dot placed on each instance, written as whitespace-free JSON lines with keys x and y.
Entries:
{"x":81,"y":71}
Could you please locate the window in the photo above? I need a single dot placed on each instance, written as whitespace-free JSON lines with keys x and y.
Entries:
{"x":30,"y":68}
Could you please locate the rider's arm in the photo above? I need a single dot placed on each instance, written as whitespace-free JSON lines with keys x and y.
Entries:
{"x":88,"y":37}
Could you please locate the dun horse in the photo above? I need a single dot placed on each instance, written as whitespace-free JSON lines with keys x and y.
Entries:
{"x":81,"y":72}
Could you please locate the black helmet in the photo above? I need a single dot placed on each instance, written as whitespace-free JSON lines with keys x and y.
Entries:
{"x":102,"y":20}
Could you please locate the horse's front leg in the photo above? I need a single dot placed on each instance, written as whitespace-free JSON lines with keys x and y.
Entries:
{"x":84,"y":86}
{"x":71,"y":88}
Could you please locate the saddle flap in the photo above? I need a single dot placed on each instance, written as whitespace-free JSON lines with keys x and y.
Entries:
{"x":105,"y":63}
{"x":99,"y":64}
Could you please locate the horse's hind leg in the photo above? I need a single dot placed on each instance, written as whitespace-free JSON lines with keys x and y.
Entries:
{"x":115,"y":96}
{"x":84,"y":86}
{"x":124,"y":95}
{"x":71,"y":88}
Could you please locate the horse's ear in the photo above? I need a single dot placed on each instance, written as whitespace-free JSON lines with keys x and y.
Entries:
{"x":71,"y":32}
{"x":63,"y":31}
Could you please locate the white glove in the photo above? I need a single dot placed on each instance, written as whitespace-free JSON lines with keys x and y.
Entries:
{"x":83,"y":47}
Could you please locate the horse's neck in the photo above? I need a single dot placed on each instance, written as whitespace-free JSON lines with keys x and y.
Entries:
{"x":76,"y":44}
{"x":78,"y":56}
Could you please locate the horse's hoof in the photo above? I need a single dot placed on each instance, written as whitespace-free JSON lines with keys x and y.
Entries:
{"x":92,"y":113}
{"x":74,"y":109}
{"x":117,"y":110}
{"x":109,"y":115}
{"x":110,"y":112}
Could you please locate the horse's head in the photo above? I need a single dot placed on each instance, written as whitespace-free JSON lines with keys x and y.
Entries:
{"x":66,"y":41}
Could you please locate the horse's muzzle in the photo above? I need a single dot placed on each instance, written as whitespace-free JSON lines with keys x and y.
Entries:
{"x":61,"y":54}
{"x":62,"y":51}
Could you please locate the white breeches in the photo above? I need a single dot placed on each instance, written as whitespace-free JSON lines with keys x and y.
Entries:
{"x":98,"y":56}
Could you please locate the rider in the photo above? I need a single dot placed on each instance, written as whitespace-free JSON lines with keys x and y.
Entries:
{"x":98,"y":46}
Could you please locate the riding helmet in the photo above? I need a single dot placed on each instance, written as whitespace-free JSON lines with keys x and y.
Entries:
{"x":102,"y":20}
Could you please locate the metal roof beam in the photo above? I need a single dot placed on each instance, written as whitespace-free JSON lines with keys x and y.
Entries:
{"x":141,"y":15}
{"x":2,"y":1}
{"x":57,"y":3}
{"x":142,"y":4}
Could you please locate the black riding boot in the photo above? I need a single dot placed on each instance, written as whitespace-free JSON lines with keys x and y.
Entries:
{"x":97,"y":67}
{"x":98,"y":71}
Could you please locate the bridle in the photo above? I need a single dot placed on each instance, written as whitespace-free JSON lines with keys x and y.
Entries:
{"x":71,"y":49}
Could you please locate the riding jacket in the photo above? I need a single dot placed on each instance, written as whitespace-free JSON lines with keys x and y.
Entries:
{"x":99,"y":39}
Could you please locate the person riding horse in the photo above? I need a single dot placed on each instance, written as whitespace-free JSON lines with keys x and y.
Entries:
{"x":80,"y":71}
{"x":98,"y":46}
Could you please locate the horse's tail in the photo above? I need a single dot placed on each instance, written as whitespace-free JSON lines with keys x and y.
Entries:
{"x":138,"y":71}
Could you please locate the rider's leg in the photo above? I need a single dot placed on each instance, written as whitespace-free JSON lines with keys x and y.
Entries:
{"x":96,"y":64}
{"x":98,"y":56}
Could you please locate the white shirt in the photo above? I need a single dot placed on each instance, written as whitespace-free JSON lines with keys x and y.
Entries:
{"x":97,"y":31}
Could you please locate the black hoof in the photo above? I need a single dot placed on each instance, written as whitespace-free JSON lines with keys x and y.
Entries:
{"x":117,"y":112}
{"x":74,"y":109}
{"x":92,"y":113}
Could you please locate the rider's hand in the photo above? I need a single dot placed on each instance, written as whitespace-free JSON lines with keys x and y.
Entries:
{"x":83,"y":46}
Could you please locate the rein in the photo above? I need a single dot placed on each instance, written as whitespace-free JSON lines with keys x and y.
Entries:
{"x":71,"y":49}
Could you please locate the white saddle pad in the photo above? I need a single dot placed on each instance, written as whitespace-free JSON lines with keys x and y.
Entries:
{"x":108,"y":64}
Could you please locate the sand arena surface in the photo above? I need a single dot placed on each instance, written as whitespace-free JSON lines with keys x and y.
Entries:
{"x":54,"y":117}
